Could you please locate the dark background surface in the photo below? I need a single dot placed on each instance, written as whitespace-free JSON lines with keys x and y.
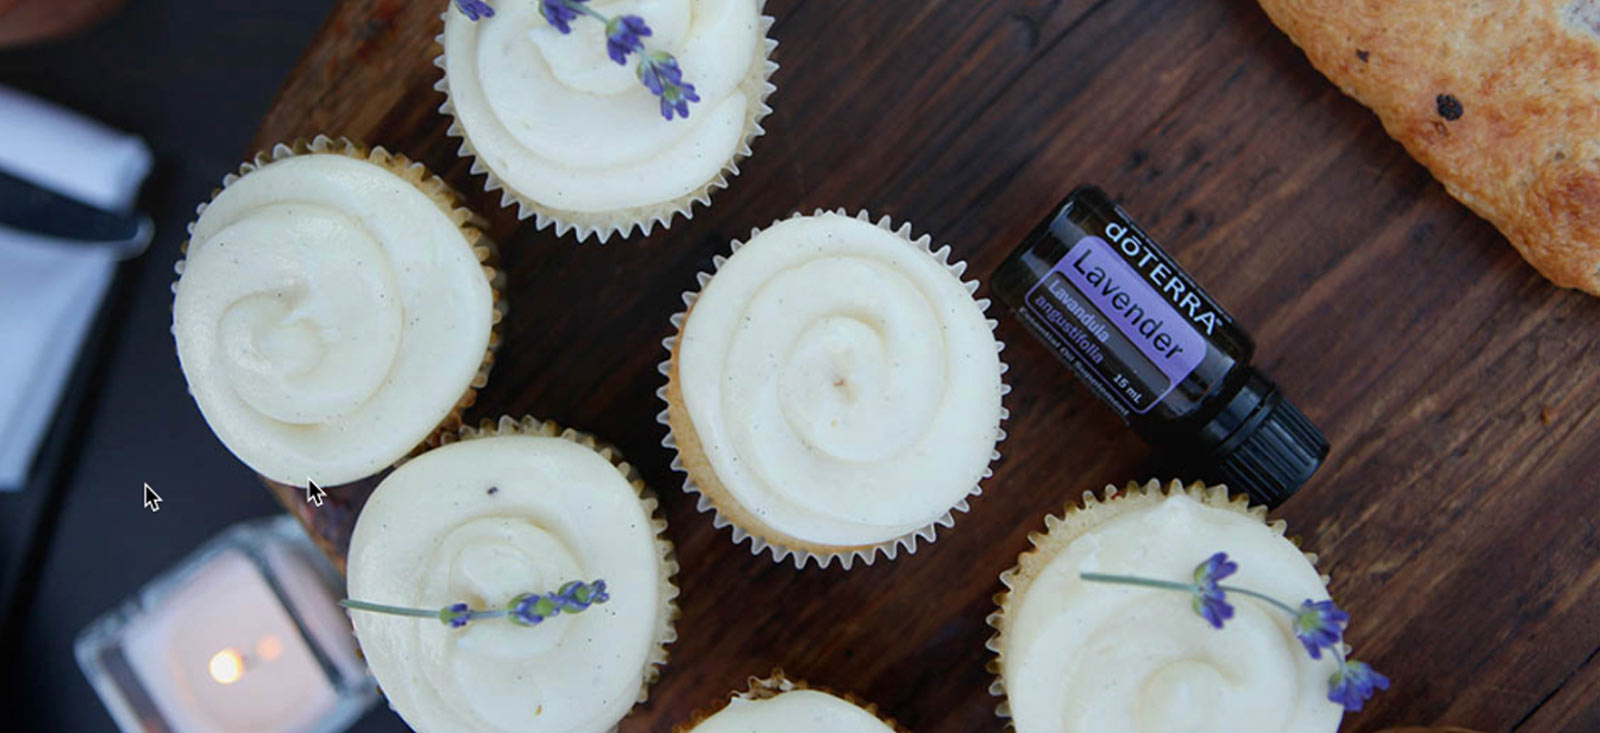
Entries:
{"x":193,"y":78}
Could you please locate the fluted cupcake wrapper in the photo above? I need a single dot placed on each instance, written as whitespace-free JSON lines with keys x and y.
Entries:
{"x":622,"y":222}
{"x":667,"y":562}
{"x":1091,"y":511}
{"x":473,"y":226}
{"x":757,"y":688}
{"x":847,"y":557}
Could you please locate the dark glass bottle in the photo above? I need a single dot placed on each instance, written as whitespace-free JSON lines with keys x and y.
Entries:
{"x":1151,"y":344}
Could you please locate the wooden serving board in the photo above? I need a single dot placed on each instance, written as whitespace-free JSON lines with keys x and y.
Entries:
{"x":1457,"y":513}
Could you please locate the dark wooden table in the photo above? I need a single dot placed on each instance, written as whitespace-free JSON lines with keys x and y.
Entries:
{"x":1459,"y":513}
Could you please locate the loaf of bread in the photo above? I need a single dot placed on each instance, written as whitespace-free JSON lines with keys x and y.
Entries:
{"x":1499,"y":99}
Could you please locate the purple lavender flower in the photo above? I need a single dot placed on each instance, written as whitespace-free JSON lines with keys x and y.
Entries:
{"x":576,"y":596}
{"x":456,"y":615}
{"x":678,"y":98}
{"x":530,"y":609}
{"x":1209,"y":600}
{"x":1212,"y":605}
{"x":1354,"y":683}
{"x":624,"y":35}
{"x":475,"y":9}
{"x":1214,"y":570}
{"x":1320,"y":625}
{"x":660,"y":73}
{"x":567,"y":599}
{"x":560,"y":13}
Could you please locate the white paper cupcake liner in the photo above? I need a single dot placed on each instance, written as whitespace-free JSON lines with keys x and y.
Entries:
{"x":473,"y":226}
{"x":847,"y":557}
{"x":622,"y":222}
{"x":666,"y":632}
{"x":1080,"y":516}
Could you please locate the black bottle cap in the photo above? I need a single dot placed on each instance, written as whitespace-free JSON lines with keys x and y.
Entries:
{"x":1271,"y":448}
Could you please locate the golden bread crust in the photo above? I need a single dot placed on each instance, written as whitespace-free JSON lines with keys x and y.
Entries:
{"x":1501,"y":101}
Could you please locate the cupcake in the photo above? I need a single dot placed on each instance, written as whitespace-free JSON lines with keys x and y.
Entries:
{"x":335,"y":309}
{"x":834,"y":391}
{"x":779,"y":705}
{"x":600,"y":127}
{"x":1079,"y":655}
{"x":513,"y":509}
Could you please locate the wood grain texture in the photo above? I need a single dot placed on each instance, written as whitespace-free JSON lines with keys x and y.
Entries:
{"x":1457,"y":513}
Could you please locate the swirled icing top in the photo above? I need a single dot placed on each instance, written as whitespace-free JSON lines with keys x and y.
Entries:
{"x":842,"y":382}
{"x":796,"y":711}
{"x":330,"y":314}
{"x":483,"y":521}
{"x":1078,"y":656}
{"x":560,"y":123}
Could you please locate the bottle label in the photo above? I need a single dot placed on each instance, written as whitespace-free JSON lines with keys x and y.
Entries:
{"x":1120,"y":329}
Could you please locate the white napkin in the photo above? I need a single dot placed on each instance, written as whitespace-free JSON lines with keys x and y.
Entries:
{"x":50,"y":291}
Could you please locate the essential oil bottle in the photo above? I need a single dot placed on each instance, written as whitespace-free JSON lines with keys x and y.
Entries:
{"x":1151,"y":344}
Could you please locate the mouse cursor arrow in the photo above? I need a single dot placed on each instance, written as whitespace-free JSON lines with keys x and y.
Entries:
{"x":152,"y":500}
{"x":314,"y":493}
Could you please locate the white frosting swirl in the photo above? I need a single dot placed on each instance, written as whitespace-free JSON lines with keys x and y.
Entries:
{"x":843,"y":384}
{"x":796,"y":711}
{"x":483,"y":521}
{"x":559,"y":122}
{"x":330,"y":314}
{"x":1078,"y":656}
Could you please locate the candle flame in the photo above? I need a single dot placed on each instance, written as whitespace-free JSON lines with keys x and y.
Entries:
{"x":227,"y":666}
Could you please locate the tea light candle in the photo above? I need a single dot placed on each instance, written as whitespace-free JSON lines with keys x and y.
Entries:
{"x":246,"y":635}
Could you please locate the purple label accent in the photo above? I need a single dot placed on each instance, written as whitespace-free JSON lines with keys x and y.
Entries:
{"x":1135,"y":308}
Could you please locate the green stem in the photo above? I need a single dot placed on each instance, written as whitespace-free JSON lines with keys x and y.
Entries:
{"x":586,"y":10}
{"x":1292,"y":611}
{"x":1187,"y":587}
{"x":391,"y":610}
{"x":1143,"y":582}
{"x":417,"y":612}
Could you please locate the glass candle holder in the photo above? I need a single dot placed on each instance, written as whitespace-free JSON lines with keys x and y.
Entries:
{"x":244,"y":635}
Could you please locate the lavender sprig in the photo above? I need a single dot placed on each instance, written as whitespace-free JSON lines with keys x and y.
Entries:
{"x":1354,"y":683}
{"x":658,"y":70}
{"x":1210,"y":601}
{"x":528,"y":609}
{"x":561,"y":13}
{"x":475,"y":9}
{"x":1319,"y":625}
{"x":624,"y":35}
{"x":660,"y":74}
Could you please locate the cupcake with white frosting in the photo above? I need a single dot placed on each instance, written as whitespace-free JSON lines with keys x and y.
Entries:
{"x":780,"y":705}
{"x":834,"y":391}
{"x":566,"y":113}
{"x":513,"y":509}
{"x":1077,"y":655}
{"x":335,"y":310}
